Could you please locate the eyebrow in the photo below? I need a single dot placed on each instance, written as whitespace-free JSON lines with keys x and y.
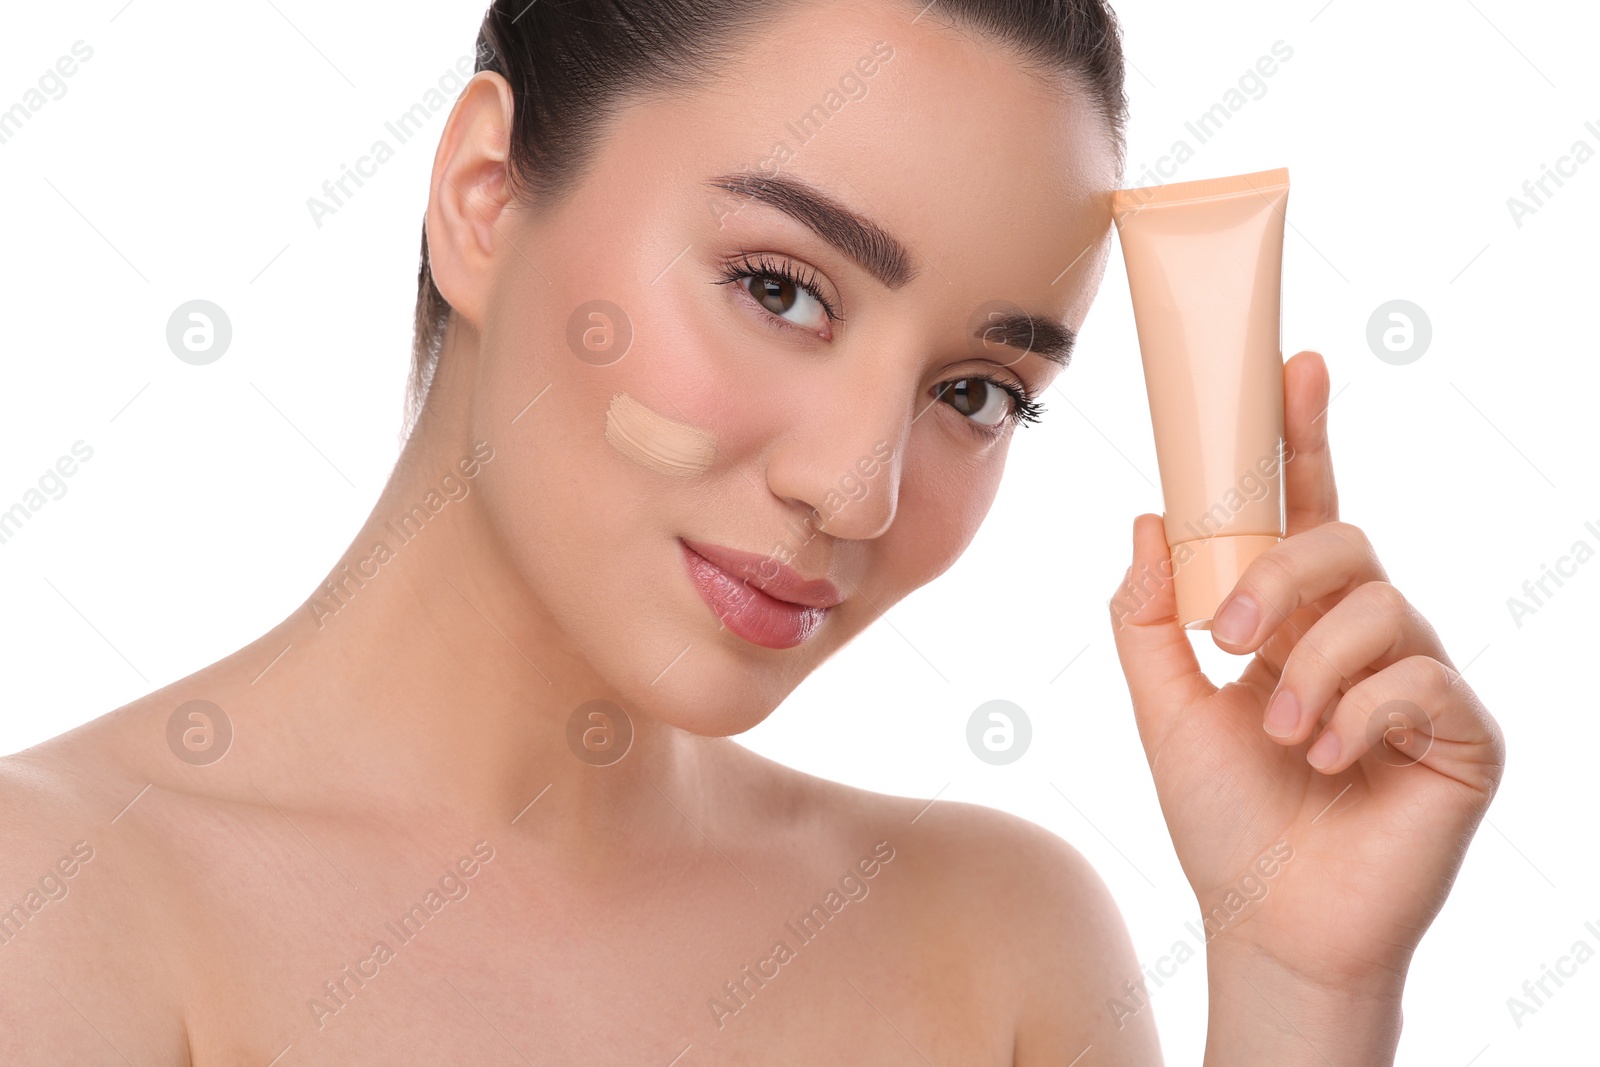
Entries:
{"x":1047,"y":338}
{"x":883,"y":256}
{"x":873,"y":247}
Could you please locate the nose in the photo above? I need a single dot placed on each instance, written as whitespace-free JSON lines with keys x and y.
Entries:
{"x":845,"y":462}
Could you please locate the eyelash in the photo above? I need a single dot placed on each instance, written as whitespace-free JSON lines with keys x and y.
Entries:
{"x":1025,"y":409}
{"x":766,"y":268}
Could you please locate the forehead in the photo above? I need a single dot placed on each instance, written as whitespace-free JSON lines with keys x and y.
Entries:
{"x":998,"y":178}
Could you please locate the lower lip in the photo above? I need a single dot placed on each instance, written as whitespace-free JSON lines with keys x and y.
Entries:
{"x":747,"y":611}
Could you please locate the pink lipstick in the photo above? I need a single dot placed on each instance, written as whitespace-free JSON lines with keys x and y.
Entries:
{"x":758,"y":598}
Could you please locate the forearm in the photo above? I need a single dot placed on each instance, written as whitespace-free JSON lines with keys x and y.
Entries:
{"x":1261,"y":1013}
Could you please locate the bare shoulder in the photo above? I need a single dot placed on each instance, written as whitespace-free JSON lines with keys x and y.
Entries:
{"x":1012,"y":907}
{"x":82,"y":975}
{"x":1035,"y":911}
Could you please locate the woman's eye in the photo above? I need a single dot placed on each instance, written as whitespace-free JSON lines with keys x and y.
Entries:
{"x":784,"y":298}
{"x":979,"y":399}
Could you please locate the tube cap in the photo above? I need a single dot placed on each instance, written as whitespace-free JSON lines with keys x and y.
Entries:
{"x":1206,"y":569}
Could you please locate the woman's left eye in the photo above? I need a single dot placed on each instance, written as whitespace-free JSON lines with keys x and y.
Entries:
{"x":795,"y":301}
{"x":990,"y":405}
{"x":979,"y":399}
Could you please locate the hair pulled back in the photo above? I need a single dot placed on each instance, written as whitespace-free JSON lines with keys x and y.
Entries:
{"x":572,"y":64}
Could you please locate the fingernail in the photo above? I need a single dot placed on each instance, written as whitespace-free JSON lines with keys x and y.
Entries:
{"x":1237,"y":620}
{"x":1283,"y":714}
{"x":1325,"y":751}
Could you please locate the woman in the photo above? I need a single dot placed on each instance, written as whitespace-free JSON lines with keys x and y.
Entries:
{"x":697,"y":397}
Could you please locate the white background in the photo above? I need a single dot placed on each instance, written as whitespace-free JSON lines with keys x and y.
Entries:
{"x":177,"y":166}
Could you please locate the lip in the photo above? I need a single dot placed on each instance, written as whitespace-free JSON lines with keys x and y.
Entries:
{"x":744,"y":608}
{"x":785,"y":584}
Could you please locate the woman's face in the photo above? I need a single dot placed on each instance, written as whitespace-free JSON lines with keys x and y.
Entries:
{"x":950,"y":188}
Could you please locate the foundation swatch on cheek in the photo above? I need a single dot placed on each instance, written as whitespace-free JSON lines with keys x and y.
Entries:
{"x":656,"y":442}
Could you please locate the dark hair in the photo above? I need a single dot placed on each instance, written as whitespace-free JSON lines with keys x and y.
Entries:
{"x":573,"y":64}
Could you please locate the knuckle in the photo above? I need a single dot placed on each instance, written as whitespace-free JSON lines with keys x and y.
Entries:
{"x":1273,"y":578}
{"x":1352,"y":533}
{"x":1355,"y":537}
{"x":1306,"y":662}
{"x":1361,"y":706}
{"x":1384,"y":597}
{"x":1436,"y":675}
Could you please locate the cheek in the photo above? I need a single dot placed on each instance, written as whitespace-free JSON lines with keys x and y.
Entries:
{"x":657,"y":442}
{"x":614,"y":458}
{"x":942,"y":504}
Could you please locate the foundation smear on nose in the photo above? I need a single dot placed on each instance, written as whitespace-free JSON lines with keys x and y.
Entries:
{"x":656,"y":442}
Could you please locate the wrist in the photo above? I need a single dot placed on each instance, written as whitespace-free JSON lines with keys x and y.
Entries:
{"x":1263,"y":1011}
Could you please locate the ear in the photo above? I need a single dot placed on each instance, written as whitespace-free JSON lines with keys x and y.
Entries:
{"x":468,"y":193}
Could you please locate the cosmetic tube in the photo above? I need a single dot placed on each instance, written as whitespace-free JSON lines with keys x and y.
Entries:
{"x":1205,"y":268}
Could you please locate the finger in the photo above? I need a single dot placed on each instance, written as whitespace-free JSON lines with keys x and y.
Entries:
{"x":1415,"y":711}
{"x":1261,"y":674}
{"x":1296,"y":572}
{"x":1364,"y":633}
{"x":1164,"y":677}
{"x":1310,"y":496}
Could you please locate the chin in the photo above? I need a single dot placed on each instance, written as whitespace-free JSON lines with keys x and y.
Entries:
{"x":657,"y":649}
{"x":693,"y":676}
{"x":719,"y":701}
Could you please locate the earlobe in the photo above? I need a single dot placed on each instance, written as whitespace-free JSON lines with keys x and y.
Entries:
{"x":468,"y":193}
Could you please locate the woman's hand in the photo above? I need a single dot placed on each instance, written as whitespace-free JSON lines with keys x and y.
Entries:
{"x":1365,"y":827}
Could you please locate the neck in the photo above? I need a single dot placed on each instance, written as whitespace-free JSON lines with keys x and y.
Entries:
{"x":423,"y":675}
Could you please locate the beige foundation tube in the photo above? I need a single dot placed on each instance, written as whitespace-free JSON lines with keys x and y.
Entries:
{"x":1205,"y":267}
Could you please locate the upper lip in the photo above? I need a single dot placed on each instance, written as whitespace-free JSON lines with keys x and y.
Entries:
{"x":769,"y":576}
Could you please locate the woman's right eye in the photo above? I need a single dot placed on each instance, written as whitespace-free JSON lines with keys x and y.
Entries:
{"x":782,"y":296}
{"x":795,"y":302}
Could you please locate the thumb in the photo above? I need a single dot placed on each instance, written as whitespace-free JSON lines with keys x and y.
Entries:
{"x":1164,"y":677}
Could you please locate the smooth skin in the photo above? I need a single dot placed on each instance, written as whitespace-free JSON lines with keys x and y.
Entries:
{"x":374,"y":747}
